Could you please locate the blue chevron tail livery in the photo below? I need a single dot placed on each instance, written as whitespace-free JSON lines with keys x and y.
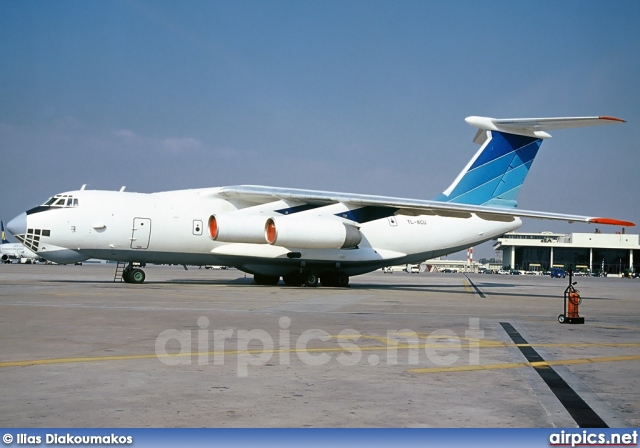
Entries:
{"x":496,"y":172}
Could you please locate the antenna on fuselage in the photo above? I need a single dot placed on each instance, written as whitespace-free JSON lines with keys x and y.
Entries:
{"x":83,"y":187}
{"x":122,"y":188}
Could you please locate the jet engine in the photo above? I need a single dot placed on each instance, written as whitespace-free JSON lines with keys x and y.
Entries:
{"x":233,"y":228}
{"x":311,"y":233}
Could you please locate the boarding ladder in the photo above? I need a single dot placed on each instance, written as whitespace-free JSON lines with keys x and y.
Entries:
{"x":119,"y":270}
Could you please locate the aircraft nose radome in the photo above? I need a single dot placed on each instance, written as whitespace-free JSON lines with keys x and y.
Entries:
{"x":18,"y":225}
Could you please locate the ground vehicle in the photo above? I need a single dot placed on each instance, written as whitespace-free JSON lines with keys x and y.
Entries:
{"x":503,"y":272}
{"x":515,"y":272}
{"x":388,"y":269}
{"x":558,"y":273}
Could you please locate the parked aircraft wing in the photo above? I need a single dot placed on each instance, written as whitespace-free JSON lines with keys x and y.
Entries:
{"x":407,"y":206}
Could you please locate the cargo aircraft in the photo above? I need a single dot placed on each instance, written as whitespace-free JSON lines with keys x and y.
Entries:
{"x":301,"y":236}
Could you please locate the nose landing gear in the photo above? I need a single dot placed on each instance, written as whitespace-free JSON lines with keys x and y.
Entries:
{"x":131,"y":273}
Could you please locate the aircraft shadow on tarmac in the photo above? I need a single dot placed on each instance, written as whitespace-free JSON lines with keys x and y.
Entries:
{"x":439,"y":288}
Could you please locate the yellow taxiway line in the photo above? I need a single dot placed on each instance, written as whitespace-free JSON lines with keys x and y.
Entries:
{"x":384,"y":340}
{"x":517,"y":365}
{"x":442,"y":342}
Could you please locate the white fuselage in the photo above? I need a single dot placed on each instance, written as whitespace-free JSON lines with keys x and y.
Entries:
{"x":174,"y":227}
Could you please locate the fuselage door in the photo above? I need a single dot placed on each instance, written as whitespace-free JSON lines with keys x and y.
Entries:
{"x":141,"y":233}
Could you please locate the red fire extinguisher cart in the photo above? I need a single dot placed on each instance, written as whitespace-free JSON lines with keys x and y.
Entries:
{"x":572,"y":301}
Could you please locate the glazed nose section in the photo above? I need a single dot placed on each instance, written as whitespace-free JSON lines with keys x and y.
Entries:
{"x":18,"y":225}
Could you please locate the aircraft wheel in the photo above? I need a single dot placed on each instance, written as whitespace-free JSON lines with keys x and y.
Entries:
{"x":309,"y":279}
{"x":292,"y":280}
{"x":266,"y":279}
{"x":337,"y":279}
{"x":561,"y":318}
{"x":136,"y":276}
{"x":342,"y":280}
{"x":126,"y":275}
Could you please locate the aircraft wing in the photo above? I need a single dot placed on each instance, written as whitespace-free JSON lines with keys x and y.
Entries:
{"x":402,"y":205}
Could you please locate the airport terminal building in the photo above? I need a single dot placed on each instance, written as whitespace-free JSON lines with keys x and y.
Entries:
{"x":595,"y":252}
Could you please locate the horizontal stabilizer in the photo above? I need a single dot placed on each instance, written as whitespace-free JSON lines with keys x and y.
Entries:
{"x":536,"y":127}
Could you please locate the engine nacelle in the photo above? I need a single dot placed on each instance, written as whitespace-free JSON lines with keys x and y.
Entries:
{"x":311,"y":233}
{"x":234,"y":228}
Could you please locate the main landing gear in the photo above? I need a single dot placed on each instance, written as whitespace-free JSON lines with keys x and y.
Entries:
{"x":305,"y":278}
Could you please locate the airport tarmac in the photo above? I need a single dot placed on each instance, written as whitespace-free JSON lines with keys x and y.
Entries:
{"x":207,"y":348}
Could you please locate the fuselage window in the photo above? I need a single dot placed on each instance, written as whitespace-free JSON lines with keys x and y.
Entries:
{"x":50,"y":201}
{"x":60,"y":202}
{"x":75,"y":202}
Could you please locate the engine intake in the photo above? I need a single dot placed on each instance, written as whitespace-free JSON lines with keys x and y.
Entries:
{"x":311,"y":233}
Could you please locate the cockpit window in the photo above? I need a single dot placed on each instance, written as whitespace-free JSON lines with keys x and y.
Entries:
{"x":62,"y":200}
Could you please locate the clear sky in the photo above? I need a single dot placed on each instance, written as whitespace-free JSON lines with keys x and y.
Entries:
{"x":354,"y":96}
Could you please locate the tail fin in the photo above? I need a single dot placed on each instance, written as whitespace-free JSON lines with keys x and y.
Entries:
{"x":4,"y":239}
{"x":496,"y":172}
